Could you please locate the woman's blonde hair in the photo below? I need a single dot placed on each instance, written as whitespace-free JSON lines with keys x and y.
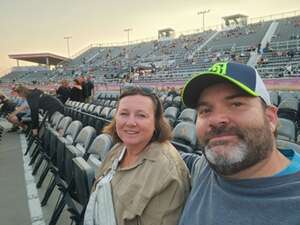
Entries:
{"x":22,"y":91}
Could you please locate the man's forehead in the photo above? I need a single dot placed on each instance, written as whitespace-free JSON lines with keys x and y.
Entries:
{"x":224,"y":89}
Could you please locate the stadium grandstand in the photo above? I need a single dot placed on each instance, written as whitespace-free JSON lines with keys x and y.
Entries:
{"x":270,"y":44}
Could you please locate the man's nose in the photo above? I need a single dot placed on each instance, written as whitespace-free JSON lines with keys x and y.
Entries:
{"x":219,"y":118}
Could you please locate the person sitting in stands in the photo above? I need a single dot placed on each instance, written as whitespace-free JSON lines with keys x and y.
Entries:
{"x":143,"y":175}
{"x":242,"y":177}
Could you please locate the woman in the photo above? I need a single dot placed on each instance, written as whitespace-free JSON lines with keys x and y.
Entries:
{"x":149,"y":181}
{"x":77,"y":92}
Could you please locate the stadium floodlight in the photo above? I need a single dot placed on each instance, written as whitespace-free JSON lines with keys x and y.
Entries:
{"x":203,"y":12}
{"x":128,"y":31}
{"x":67,"y":38}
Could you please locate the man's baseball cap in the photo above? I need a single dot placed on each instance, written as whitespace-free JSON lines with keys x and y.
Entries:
{"x":242,"y":76}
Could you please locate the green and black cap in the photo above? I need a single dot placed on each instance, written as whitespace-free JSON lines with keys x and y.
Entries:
{"x":243,"y":76}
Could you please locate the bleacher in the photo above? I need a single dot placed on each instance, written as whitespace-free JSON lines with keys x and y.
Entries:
{"x":176,"y":59}
{"x":249,"y":35}
{"x":72,"y":146}
{"x":288,"y":29}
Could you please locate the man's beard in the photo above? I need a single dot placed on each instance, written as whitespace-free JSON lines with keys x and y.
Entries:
{"x":254,"y":145}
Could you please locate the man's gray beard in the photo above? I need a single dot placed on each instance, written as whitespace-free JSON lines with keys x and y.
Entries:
{"x":226,"y":164}
{"x":255,"y":145}
{"x":236,"y":154}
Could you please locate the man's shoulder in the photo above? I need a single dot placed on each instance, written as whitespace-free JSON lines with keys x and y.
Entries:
{"x":196,"y":164}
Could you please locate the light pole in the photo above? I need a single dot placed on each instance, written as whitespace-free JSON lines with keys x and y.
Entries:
{"x":67,"y":38}
{"x":203,"y":12}
{"x":128,"y":31}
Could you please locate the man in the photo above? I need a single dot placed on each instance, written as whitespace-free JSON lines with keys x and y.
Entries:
{"x":64,"y":91}
{"x":14,"y":110}
{"x":6,"y":105}
{"x":89,"y":89}
{"x":38,"y":100}
{"x":242,"y":178}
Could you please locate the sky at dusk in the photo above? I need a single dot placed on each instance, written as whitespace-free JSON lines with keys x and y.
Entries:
{"x":33,"y":26}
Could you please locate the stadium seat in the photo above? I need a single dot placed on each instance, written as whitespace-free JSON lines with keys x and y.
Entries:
{"x":177,"y":102}
{"x":187,"y":114}
{"x":288,"y":108}
{"x":111,"y":114}
{"x":171,"y":114}
{"x":185,"y":137}
{"x":57,"y":165}
{"x":84,"y":172}
{"x":284,"y":144}
{"x":286,"y":130}
{"x":168,"y":101}
{"x":44,"y":148}
{"x":51,"y":156}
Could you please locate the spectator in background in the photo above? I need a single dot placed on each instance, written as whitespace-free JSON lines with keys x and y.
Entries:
{"x":64,"y":91}
{"x":6,"y":105}
{"x":76,"y":91}
{"x":17,"y":116}
{"x":15,"y":109}
{"x":242,"y":178}
{"x":172,"y":92}
{"x":38,"y":100}
{"x":90,"y":93}
{"x":84,"y":87}
{"x":259,"y":48}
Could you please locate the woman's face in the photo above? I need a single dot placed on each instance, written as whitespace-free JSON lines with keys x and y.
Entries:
{"x":135,"y":122}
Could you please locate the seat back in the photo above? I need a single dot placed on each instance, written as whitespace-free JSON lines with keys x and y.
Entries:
{"x":55,"y":118}
{"x":73,"y":130}
{"x":68,"y":139}
{"x":274,"y":97}
{"x":91,"y":108}
{"x":97,"y":110}
{"x":185,"y":137}
{"x":177,"y":102}
{"x":85,"y":137}
{"x":171,"y":114}
{"x":79,"y":148}
{"x":111,"y":114}
{"x":188,"y":114}
{"x":54,"y":121}
{"x":84,"y":176}
{"x":61,"y":130}
{"x":288,"y":109}
{"x":286,"y":130}
{"x":284,"y":144}
{"x":168,"y":101}
{"x":105,"y":112}
{"x":100,"y":146}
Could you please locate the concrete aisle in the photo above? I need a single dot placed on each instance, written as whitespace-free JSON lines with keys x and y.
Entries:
{"x":13,"y":205}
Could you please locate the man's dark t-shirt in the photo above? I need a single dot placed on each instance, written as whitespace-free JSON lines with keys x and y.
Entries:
{"x":63,"y":93}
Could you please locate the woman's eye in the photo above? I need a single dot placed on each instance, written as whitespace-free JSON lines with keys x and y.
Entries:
{"x":141,"y":115}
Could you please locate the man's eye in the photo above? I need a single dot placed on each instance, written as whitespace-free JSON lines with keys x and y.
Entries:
{"x":237,"y":104}
{"x":203,"y":111}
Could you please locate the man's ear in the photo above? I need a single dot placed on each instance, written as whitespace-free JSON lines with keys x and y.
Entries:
{"x":272,"y":117}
